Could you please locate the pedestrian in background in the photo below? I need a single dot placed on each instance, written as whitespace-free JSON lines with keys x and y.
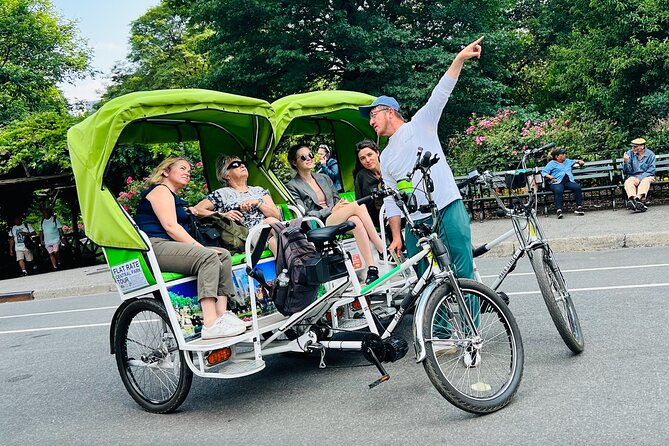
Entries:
{"x":51,"y":236}
{"x":559,"y":173}
{"x":639,"y":165}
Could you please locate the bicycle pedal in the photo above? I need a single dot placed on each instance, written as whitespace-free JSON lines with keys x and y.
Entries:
{"x":383,"y":379}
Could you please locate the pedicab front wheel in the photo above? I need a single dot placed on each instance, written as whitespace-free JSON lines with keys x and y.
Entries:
{"x":152,"y":367}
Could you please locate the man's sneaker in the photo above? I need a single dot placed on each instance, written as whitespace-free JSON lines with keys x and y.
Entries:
{"x":631,"y":204}
{"x":24,"y":273}
{"x":372,"y":274}
{"x":233,"y":319}
{"x":559,"y":213}
{"x":579,"y":211}
{"x":222,"y":329}
{"x":640,"y":206}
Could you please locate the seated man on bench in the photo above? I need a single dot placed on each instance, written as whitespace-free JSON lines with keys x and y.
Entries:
{"x":639,"y":165}
{"x":558,"y":172}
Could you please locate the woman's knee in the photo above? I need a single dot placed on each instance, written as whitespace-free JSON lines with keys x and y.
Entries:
{"x":355,"y":219}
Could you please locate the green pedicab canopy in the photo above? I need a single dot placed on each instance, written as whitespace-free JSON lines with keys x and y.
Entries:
{"x":221,"y":122}
{"x":333,"y":113}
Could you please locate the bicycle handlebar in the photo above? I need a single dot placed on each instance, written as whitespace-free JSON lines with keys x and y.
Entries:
{"x":540,"y":149}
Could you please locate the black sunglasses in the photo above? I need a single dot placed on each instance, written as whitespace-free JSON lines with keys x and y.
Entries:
{"x":310,"y":156}
{"x":236,"y":164}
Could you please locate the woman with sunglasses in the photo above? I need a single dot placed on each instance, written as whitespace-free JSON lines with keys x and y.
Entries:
{"x":316,"y":194}
{"x":161,"y":214}
{"x":247,"y":205}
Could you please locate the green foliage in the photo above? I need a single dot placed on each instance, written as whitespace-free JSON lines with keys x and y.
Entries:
{"x":38,"y":49}
{"x":273,"y":48}
{"x":610,"y":55}
{"x":494,"y":142}
{"x":163,"y":53}
{"x":37,"y":143}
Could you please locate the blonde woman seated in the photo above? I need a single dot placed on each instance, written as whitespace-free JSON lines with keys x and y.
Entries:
{"x":315,"y":192}
{"x":161,"y":214}
{"x":247,"y":205}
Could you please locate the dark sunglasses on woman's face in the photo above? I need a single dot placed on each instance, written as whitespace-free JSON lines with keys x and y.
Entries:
{"x":308,"y":156}
{"x":236,"y":164}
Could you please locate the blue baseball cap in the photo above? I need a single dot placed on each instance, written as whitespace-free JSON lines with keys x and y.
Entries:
{"x":381,"y":100}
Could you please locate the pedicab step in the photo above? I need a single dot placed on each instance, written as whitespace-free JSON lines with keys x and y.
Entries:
{"x":240,"y":367}
{"x":352,"y":324}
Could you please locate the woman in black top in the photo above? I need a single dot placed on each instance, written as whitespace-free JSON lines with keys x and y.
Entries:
{"x":367,"y":175}
{"x":161,"y":214}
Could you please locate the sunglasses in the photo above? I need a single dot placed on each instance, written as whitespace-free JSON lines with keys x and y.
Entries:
{"x":236,"y":164}
{"x":309,"y":156}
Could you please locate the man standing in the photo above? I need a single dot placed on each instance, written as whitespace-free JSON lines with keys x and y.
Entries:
{"x":405,"y":139}
{"x":639,"y":165}
{"x":17,"y":236}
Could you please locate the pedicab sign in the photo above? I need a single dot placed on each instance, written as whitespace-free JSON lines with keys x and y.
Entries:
{"x":129,"y":276}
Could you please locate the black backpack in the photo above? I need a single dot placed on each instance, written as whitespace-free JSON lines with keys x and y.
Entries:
{"x":294,"y":251}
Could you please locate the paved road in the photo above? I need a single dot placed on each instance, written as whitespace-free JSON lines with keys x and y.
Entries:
{"x":59,"y":385}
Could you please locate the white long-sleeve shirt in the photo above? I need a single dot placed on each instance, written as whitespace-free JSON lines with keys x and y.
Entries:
{"x":399,"y":156}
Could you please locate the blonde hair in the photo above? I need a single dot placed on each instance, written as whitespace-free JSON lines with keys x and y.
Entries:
{"x":222,"y":164}
{"x":157,"y":176}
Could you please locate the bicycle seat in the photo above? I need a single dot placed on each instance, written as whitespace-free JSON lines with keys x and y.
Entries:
{"x":329,"y":233}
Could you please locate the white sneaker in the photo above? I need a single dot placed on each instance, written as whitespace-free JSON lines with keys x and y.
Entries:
{"x":234,"y":320}
{"x":222,"y":329}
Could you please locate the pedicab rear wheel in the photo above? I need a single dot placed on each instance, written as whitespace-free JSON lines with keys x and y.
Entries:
{"x":152,"y":367}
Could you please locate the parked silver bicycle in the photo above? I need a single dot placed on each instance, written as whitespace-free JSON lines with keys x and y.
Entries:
{"x":533,"y":242}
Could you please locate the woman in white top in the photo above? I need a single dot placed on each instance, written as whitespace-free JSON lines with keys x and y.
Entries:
{"x":51,"y":235}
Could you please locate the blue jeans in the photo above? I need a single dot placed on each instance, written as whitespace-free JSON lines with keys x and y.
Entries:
{"x":558,"y":190}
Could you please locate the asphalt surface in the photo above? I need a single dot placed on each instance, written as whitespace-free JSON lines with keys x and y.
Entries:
{"x":60,"y":385}
{"x":597,"y":230}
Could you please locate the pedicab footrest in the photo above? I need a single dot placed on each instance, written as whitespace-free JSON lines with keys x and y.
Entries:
{"x":240,"y":367}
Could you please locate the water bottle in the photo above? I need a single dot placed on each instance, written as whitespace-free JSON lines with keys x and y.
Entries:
{"x":283,"y":278}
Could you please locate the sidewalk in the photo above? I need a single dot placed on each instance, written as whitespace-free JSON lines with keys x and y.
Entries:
{"x":597,"y":230}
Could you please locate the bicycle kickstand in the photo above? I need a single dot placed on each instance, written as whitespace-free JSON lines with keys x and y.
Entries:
{"x":384,"y":375}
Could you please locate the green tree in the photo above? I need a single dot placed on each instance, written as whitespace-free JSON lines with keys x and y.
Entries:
{"x":608,"y":56}
{"x":273,"y":48}
{"x":163,"y":53}
{"x":38,"y":49}
{"x":37,"y":144}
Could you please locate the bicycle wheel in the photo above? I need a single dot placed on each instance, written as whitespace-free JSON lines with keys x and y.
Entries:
{"x":557,"y":298}
{"x":476,"y":373}
{"x":151,"y":366}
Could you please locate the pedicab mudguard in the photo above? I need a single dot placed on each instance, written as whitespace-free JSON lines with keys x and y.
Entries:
{"x":114,"y":321}
{"x":419,"y":342}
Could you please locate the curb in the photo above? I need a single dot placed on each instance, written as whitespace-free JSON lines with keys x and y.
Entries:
{"x":74,"y":291}
{"x":16,"y":296}
{"x":592,"y":243}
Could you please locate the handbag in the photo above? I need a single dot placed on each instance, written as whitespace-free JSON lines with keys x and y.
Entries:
{"x":206,"y":233}
{"x":233,"y":234}
{"x":28,"y":240}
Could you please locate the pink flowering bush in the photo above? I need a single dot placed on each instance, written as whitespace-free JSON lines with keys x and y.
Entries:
{"x":495,"y":142}
{"x":194,"y":192}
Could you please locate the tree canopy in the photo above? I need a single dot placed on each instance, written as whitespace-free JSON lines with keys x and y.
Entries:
{"x":38,"y":49}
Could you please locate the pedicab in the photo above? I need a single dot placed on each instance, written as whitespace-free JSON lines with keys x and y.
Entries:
{"x":155,"y":332}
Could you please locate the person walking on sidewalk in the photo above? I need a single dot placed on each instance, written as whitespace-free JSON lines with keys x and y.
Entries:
{"x":405,"y":139}
{"x":51,"y":236}
{"x":559,"y":172}
{"x":639,"y":165}
{"x":18,"y":236}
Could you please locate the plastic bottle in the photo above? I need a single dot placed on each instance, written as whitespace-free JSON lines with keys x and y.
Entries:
{"x":283,"y":278}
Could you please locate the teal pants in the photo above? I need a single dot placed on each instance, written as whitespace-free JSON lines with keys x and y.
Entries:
{"x":456,"y":234}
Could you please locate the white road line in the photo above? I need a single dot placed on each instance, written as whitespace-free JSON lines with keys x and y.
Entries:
{"x":607,"y":268}
{"x":65,"y":327}
{"x":598,"y":288}
{"x":58,"y":312}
